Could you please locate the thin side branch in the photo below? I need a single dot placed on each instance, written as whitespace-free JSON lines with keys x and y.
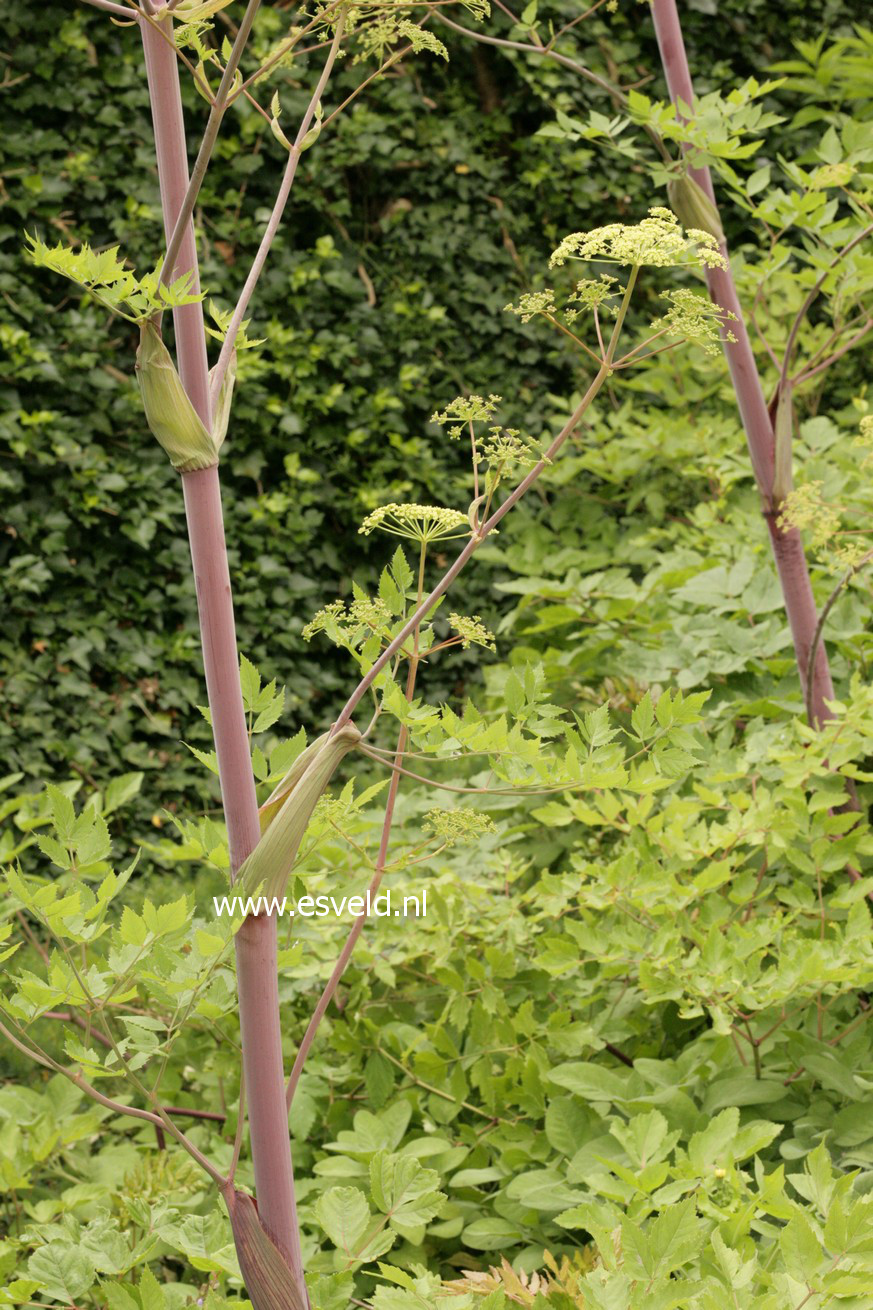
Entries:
{"x":275,"y":217}
{"x":548,"y":53}
{"x":120,"y":11}
{"x":488,"y":526}
{"x":810,"y":297}
{"x":822,"y":620}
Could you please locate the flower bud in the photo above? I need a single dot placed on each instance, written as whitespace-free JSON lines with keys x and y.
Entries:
{"x":693,"y":207}
{"x":271,"y":863}
{"x":171,"y":417}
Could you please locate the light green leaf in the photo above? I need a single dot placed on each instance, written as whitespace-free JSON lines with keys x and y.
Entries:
{"x":344,"y":1215}
{"x":64,"y":1272}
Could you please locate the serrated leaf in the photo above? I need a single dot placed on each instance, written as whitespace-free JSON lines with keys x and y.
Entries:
{"x":120,"y":790}
{"x":250,"y":682}
{"x":379,"y":1078}
{"x":64,"y":1272}
{"x":344,"y":1215}
{"x":643,"y":718}
{"x":403,"y":1190}
{"x":209,"y":758}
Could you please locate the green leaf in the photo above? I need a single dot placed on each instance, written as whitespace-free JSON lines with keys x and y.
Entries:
{"x":801,"y":1249}
{"x":65,"y":1272}
{"x":250,"y":682}
{"x":590,"y":1081}
{"x":491,"y":1234}
{"x":403,"y":575}
{"x":403,"y":1190}
{"x":150,"y":1295}
{"x":209,"y":758}
{"x":344,"y":1215}
{"x":379,"y":1077}
{"x":513,"y":694}
{"x":121,"y":790}
{"x":643,"y":718}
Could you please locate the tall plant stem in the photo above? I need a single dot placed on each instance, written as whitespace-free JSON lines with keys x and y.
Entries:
{"x":256,"y":942}
{"x":207,"y":145}
{"x":787,"y":545}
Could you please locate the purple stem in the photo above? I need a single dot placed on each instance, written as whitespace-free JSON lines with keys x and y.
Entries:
{"x":256,"y":941}
{"x":787,"y":545}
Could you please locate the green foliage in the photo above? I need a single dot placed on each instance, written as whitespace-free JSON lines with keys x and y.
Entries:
{"x":105,"y":277}
{"x":633,"y":1030}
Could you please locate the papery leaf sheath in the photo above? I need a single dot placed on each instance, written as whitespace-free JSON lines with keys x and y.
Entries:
{"x":268,"y":868}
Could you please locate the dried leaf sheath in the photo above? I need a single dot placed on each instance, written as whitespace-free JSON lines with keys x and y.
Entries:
{"x":268,"y":1279}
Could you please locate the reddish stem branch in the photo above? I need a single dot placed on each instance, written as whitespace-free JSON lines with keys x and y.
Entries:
{"x":381,"y":860}
{"x":787,"y":545}
{"x":207,"y":145}
{"x":256,"y":942}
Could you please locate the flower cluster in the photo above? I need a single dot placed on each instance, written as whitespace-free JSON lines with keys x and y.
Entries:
{"x":804,"y":508}
{"x":695,"y":319}
{"x":421,"y":523}
{"x":533,"y":303}
{"x":466,"y":409}
{"x":658,"y":242}
{"x":452,"y":826}
{"x":472,"y":631}
{"x":595,"y":293}
{"x":505,"y":448}
{"x":365,"y":614}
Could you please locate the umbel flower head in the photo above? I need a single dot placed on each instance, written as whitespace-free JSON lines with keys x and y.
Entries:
{"x":696,"y":319}
{"x":658,"y":242}
{"x":452,"y":826}
{"x":421,"y":523}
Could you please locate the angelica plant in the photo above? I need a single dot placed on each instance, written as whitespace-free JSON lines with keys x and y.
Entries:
{"x":712,"y":133}
{"x":390,"y":636}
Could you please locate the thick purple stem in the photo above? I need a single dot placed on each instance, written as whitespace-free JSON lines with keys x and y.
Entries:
{"x":256,"y":944}
{"x":787,"y":546}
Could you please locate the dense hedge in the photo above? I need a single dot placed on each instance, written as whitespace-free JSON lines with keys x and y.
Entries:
{"x":412,"y":225}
